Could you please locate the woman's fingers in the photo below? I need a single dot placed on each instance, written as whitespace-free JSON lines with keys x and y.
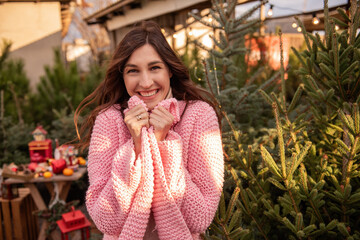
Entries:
{"x":161,"y":120}
{"x":161,"y":113}
{"x":137,"y":113}
{"x":135,"y":119}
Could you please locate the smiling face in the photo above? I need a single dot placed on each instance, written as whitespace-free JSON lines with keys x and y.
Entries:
{"x":147,"y":76}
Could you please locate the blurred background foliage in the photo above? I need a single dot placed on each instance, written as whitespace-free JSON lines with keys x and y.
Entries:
{"x":52,"y":105}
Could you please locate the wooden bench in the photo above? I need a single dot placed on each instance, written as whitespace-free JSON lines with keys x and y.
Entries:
{"x":17,"y":220}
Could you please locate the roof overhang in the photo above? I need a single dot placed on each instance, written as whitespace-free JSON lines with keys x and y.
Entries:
{"x":126,"y":12}
{"x":102,"y":15}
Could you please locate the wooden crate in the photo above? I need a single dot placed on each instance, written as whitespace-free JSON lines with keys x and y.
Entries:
{"x":17,"y":220}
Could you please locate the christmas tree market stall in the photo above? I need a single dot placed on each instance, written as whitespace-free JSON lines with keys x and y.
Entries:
{"x":57,"y":171}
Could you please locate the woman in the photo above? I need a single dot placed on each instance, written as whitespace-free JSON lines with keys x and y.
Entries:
{"x":155,"y":159}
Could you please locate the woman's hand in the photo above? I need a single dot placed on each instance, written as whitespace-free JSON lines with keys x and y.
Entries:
{"x":135,"y":119}
{"x":162,"y":120}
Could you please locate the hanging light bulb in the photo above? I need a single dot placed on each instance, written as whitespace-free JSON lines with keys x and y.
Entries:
{"x":175,"y":35}
{"x":337,"y":27}
{"x":298,"y":29}
{"x":195,"y":11}
{"x":294,"y":25}
{"x":315,"y":19}
{"x":270,"y":12}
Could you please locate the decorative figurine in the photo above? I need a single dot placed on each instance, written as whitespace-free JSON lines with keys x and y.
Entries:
{"x":40,"y":149}
{"x":67,"y":152}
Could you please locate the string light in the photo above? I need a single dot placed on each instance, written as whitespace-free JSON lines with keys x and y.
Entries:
{"x":195,"y":11}
{"x":270,"y":12}
{"x":315,"y":19}
{"x":298,"y":29}
{"x":210,"y":19}
{"x":190,"y":32}
{"x":175,"y":35}
{"x":294,"y":25}
{"x":337,"y":27}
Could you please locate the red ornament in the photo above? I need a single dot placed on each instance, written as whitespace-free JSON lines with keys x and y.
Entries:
{"x":32,"y":166}
{"x":58,"y":165}
{"x":74,"y":220}
{"x":40,"y":151}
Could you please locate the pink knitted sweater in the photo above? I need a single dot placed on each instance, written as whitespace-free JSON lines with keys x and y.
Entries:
{"x":179,"y":179}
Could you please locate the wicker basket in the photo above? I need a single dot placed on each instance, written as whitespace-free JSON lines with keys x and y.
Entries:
{"x":7,"y":173}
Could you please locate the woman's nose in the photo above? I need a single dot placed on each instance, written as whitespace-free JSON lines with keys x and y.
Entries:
{"x":146,"y":80}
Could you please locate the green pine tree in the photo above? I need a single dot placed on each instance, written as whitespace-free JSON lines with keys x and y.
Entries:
{"x":191,"y":57}
{"x":304,"y":183}
{"x":59,"y":88}
{"x":15,"y":129}
{"x":230,"y":79}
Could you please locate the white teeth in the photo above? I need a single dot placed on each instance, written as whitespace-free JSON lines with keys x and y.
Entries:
{"x":148,"y":94}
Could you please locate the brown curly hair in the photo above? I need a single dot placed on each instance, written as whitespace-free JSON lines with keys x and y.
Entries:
{"x":112,"y":89}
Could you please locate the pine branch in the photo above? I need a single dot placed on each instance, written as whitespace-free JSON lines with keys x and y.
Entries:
{"x":248,"y":14}
{"x":328,"y":29}
{"x":282,"y":72}
{"x":355,"y":22}
{"x":17,"y":104}
{"x":280,"y":141}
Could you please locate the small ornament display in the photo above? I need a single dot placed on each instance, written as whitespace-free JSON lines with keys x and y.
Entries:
{"x":74,"y":220}
{"x":39,"y":134}
{"x":68,"y":153}
{"x":40,"y":149}
{"x":42,"y":163}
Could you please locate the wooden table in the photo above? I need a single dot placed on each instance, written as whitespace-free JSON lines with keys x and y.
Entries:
{"x":57,"y":184}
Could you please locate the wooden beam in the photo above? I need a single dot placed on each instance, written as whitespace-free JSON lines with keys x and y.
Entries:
{"x":108,"y":9}
{"x":39,"y":202}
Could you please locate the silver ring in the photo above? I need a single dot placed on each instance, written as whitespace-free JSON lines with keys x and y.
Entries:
{"x":138,"y":117}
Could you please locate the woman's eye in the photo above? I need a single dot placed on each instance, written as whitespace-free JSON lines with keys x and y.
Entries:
{"x":131,"y":71}
{"x":155,"y":67}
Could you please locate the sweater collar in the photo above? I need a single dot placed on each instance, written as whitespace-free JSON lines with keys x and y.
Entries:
{"x":171,"y":104}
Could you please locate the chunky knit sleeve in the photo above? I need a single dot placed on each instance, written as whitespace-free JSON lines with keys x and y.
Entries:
{"x":188,"y":188}
{"x":115,"y":175}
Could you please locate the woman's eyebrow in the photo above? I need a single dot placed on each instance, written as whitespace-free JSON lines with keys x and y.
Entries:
{"x":129,"y":65}
{"x":150,"y":63}
{"x":156,"y":62}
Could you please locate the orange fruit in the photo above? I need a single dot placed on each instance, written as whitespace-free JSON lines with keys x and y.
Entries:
{"x":81,"y":161}
{"x":47,"y":174}
{"x":68,"y":171}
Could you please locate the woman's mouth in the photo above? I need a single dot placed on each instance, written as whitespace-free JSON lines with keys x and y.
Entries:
{"x":148,"y":93}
